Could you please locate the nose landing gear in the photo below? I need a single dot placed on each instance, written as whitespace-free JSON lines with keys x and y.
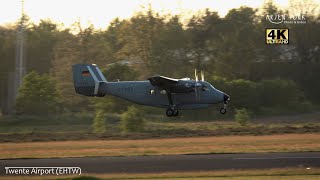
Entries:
{"x":172,"y":112}
{"x":224,"y":109}
{"x":226,"y":99}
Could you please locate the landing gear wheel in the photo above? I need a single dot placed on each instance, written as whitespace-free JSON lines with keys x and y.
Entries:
{"x":223,"y":110}
{"x":170,"y":112}
{"x":175,"y":112}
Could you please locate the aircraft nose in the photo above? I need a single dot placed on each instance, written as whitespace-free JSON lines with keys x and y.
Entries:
{"x":226,"y":97}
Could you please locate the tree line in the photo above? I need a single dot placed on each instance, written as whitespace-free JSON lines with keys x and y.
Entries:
{"x":231,"y":50}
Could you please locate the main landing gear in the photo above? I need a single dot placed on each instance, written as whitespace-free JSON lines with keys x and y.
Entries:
{"x":172,"y":112}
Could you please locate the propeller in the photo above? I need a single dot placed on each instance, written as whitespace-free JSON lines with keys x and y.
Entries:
{"x":202,"y":76}
{"x":195,"y":75}
{"x":197,"y":85}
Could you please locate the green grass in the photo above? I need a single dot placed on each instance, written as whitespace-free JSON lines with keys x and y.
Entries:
{"x":79,"y":127}
{"x":163,"y":146}
{"x":61,"y":123}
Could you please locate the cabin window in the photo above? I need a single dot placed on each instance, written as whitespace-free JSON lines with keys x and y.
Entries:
{"x":163,"y":92}
{"x":152,"y":91}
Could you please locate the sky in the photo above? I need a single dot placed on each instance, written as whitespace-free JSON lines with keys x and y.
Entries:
{"x":101,"y":12}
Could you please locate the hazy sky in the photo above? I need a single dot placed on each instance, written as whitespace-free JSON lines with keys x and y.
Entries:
{"x":101,"y":12}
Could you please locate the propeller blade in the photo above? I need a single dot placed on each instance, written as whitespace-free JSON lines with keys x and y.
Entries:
{"x":202,"y":76}
{"x":197,"y":85}
{"x":195,"y":75}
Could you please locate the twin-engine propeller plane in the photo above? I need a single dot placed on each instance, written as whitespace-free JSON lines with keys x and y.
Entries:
{"x":157,"y":91}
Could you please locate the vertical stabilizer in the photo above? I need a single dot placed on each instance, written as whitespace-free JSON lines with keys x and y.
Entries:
{"x":88,"y":80}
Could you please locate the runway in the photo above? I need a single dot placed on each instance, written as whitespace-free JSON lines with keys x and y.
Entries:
{"x":174,"y":163}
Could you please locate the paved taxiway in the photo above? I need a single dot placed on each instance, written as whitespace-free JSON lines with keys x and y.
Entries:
{"x":171,"y":163}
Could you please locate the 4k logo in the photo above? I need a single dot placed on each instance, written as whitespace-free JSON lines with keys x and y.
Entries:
{"x":277,"y":36}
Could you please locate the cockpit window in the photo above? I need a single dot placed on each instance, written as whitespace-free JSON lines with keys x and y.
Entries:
{"x":205,"y":88}
{"x":212,"y":86}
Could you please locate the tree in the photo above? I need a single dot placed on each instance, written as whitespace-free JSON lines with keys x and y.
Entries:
{"x":99,"y":122}
{"x":170,"y":49}
{"x":112,"y":40}
{"x":280,"y":93}
{"x":242,"y":116}
{"x":306,"y":46}
{"x":38,"y":95}
{"x":245,"y":92}
{"x":121,"y":72}
{"x":41,"y":39}
{"x":7,"y":51}
{"x":236,"y":44}
{"x":267,"y":53}
{"x":132,"y":120}
{"x":66,"y":54}
{"x":202,"y":32}
{"x":138,"y":36}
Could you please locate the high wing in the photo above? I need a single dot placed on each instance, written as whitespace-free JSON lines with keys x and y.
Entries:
{"x":163,"y":82}
{"x":172,"y":85}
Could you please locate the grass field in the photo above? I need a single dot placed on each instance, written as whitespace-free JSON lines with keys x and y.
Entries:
{"x":79,"y":127}
{"x":270,"y":174}
{"x":193,"y":145}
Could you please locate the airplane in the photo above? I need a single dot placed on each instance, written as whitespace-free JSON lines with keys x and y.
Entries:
{"x":157,"y":91}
